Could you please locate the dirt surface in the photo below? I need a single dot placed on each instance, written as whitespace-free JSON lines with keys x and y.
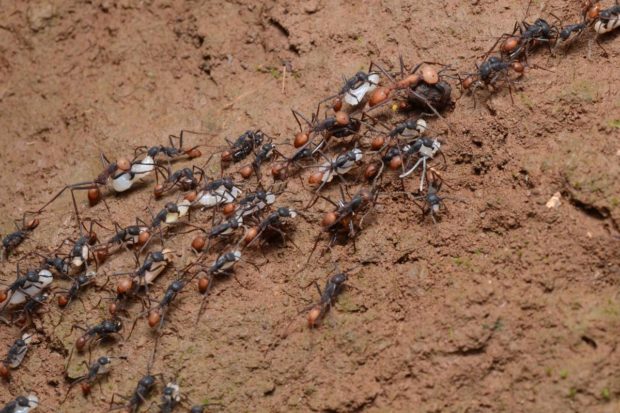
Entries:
{"x":505,"y":305}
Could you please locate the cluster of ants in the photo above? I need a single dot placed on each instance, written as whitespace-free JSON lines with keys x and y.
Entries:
{"x":349,"y":140}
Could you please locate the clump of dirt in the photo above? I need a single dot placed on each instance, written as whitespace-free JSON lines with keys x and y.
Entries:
{"x":503,"y":305}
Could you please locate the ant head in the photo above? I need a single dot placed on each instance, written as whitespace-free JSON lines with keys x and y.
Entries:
{"x":123,"y":164}
{"x":340,"y":278}
{"x":171,"y":207}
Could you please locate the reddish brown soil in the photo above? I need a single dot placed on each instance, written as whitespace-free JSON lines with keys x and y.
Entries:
{"x":503,"y":306}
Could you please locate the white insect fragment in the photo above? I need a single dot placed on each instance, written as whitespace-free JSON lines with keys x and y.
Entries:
{"x":32,"y":289}
{"x":355,"y":96}
{"x":554,"y":201}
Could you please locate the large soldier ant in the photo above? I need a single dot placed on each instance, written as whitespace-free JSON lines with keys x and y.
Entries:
{"x":426,"y":90}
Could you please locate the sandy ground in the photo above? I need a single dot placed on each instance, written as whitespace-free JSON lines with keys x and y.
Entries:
{"x":503,"y":306}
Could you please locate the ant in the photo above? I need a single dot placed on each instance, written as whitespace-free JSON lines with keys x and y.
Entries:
{"x":340,"y":125}
{"x":266,"y":152}
{"x":97,"y":369}
{"x":608,"y":19}
{"x":143,"y":389}
{"x":24,"y":286}
{"x":154,"y":264}
{"x":131,"y":235}
{"x":170,"y":398}
{"x":339,"y":166}
{"x":426,"y":90}
{"x":282,"y":170}
{"x":223,"y":264}
{"x":254,"y":202}
{"x":14,"y":239}
{"x":514,"y":47}
{"x":15,"y":355}
{"x":271,"y":222}
{"x":217,"y":192}
{"x":344,"y":216}
{"x":426,"y":149}
{"x":185,"y":178}
{"x":489,"y":72}
{"x":30,"y":308}
{"x":21,"y":404}
{"x":121,"y":175}
{"x":157,"y":314}
{"x":171,"y":151}
{"x":333,"y":286}
{"x":98,"y":332}
{"x":243,"y":146}
{"x":355,"y":88}
{"x":81,"y":281}
{"x":432,"y":202}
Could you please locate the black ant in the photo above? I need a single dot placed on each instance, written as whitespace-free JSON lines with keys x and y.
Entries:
{"x":157,"y":314}
{"x":24,"y":286}
{"x":243,"y":146}
{"x":121,"y":174}
{"x":273,"y":222}
{"x":339,"y":166}
{"x":15,"y":355}
{"x":424,"y":90}
{"x":172,"y":151}
{"x":223,"y":264}
{"x":432,"y":202}
{"x":515,"y":47}
{"x":97,"y":369}
{"x":30,"y":308}
{"x":185,"y":178}
{"x":344,"y":218}
{"x":14,"y":239}
{"x":144,"y":387}
{"x":83,"y":280}
{"x":105,"y":329}
{"x":217,"y":192}
{"x":333,"y":286}
{"x":489,"y":72}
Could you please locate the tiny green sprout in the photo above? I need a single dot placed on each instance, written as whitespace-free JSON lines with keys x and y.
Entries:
{"x":563,"y":374}
{"x":605,"y":393}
